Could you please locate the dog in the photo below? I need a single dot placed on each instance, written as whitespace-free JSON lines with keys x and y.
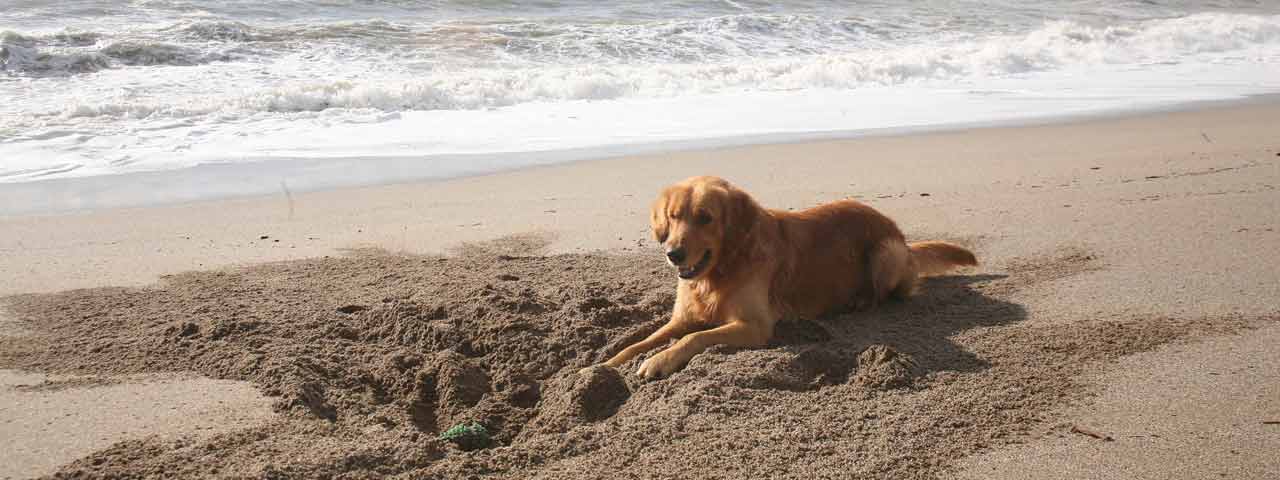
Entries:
{"x":742,"y":268}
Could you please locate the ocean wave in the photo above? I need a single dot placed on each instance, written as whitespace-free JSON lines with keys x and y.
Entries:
{"x":1055,"y":45}
{"x":64,"y":39}
{"x":544,"y":41}
{"x":737,"y":38}
{"x":230,"y":31}
{"x":874,"y":50}
{"x":156,"y":53}
{"x":20,"y":59}
{"x":83,"y":52}
{"x":216,"y":31}
{"x":688,"y":41}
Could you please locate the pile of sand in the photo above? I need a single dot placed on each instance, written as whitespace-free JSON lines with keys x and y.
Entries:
{"x":373,"y":355}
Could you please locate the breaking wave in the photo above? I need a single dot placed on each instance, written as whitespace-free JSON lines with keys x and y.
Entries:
{"x":101,"y":86}
{"x":85,"y":52}
{"x":1054,"y":46}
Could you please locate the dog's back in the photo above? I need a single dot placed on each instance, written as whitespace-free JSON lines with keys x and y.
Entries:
{"x":845,"y":255}
{"x":823,"y":254}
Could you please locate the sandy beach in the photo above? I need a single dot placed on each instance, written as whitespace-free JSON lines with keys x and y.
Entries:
{"x":1127,"y":287}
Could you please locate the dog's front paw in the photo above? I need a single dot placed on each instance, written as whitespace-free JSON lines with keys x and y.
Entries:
{"x":660,"y":365}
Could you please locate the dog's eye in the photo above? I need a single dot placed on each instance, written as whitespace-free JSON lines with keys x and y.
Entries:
{"x":702,"y":218}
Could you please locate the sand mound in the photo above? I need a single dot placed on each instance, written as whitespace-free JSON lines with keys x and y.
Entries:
{"x":574,"y":398}
{"x":882,"y":367}
{"x":373,"y":355}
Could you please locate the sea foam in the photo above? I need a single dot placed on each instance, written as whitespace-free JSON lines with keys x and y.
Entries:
{"x":1059,"y":45}
{"x":123,"y":95}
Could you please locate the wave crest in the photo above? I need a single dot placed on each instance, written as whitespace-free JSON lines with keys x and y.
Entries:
{"x":1055,"y":45}
{"x":69,"y":53}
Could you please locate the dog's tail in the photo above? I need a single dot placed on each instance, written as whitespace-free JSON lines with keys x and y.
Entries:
{"x":935,"y":257}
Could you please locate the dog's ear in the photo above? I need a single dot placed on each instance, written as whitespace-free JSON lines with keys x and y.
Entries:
{"x":658,"y":215}
{"x":740,"y":216}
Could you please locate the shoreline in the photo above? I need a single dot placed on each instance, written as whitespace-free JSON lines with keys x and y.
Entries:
{"x":269,"y":178}
{"x":49,"y":252}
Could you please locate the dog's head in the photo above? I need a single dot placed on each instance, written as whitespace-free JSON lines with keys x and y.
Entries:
{"x":700,"y":223}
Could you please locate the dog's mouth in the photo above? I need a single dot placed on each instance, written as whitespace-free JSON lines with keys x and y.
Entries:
{"x":697,"y":268}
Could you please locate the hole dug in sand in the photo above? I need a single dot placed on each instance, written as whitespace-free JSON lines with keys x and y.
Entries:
{"x":499,"y":335}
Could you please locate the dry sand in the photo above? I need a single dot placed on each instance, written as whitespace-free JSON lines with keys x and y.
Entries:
{"x":1187,"y":411}
{"x":1100,"y":239}
{"x":50,"y":420}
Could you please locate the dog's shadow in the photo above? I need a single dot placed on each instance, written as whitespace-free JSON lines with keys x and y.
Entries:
{"x":889,"y":345}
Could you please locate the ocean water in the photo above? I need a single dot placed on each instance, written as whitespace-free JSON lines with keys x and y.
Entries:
{"x":101,"y":87}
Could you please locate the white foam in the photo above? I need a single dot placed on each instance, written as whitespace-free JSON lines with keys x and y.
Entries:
{"x":1055,"y":46}
{"x":675,"y":81}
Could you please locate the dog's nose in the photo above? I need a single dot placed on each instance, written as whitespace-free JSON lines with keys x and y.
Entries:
{"x":676,"y":255}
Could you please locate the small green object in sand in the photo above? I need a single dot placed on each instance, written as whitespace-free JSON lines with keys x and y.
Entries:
{"x":468,"y":437}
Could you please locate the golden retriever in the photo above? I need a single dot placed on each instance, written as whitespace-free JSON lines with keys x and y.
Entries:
{"x":743,"y":267}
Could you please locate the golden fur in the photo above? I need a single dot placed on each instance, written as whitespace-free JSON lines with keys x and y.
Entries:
{"x":745,"y":267}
